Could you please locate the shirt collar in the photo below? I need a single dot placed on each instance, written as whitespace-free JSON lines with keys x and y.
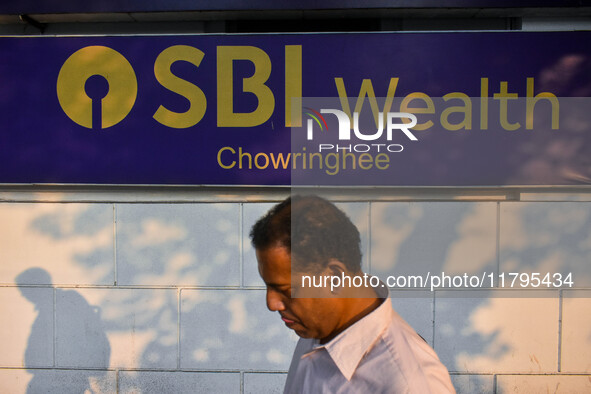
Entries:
{"x":348,"y":348}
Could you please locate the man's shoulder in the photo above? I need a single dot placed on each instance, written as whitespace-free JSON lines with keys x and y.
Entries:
{"x":400,"y":339}
{"x":413,"y":359}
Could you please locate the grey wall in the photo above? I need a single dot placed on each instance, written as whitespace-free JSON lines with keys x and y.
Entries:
{"x":151,"y":291}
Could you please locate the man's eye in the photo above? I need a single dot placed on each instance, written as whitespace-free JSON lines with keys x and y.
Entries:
{"x":285,"y":291}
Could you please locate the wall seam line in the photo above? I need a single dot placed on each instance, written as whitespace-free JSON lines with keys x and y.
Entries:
{"x":115,"y":279}
{"x":560,"y":306}
{"x":178,"y":332}
{"x":433,"y":317}
{"x":54,"y":327}
{"x":241,"y":242}
{"x":241,"y":382}
{"x":498,"y":240}
{"x":495,"y":383}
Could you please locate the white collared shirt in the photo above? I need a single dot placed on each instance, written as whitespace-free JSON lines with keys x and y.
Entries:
{"x":380,"y":353}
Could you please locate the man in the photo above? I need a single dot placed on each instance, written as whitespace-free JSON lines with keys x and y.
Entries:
{"x":351,"y":340}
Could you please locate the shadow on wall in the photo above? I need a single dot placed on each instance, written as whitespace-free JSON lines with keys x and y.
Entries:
{"x":88,"y":347}
{"x":479,"y":332}
{"x":195,"y":245}
{"x":412,"y":239}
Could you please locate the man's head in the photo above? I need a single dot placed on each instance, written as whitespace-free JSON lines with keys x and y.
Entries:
{"x":313,"y":229}
{"x":306,"y":235}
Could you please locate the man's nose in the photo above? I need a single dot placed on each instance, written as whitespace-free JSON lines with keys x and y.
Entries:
{"x":275,"y":301}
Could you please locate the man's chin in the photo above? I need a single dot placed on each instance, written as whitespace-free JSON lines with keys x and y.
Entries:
{"x":303,"y":333}
{"x":300,"y":330}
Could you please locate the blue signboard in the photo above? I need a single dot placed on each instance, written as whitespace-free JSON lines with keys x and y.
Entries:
{"x":218,"y":109}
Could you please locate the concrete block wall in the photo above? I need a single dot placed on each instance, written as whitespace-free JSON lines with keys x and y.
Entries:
{"x":148,"y":293}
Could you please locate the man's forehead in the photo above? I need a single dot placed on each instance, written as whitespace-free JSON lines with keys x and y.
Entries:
{"x":277,"y":259}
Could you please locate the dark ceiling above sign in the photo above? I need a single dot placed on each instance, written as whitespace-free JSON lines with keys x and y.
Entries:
{"x":126,"y":6}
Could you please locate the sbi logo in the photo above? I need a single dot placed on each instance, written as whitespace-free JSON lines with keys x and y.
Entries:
{"x":93,"y":106}
{"x":116,"y":102}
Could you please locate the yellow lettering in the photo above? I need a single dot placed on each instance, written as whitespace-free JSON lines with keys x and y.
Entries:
{"x":220,"y":157}
{"x":414,"y":110}
{"x":256,"y":160}
{"x":503,"y":96}
{"x":242,"y":155}
{"x":226,"y":55}
{"x":350,"y":155}
{"x":365,"y":158}
{"x":382,"y":161}
{"x":483,"y":103}
{"x":531,"y":103}
{"x":466,"y":109}
{"x":332,"y":169}
{"x":366,"y":90}
{"x":293,"y":85}
{"x":196,"y":97}
{"x":280,"y":160}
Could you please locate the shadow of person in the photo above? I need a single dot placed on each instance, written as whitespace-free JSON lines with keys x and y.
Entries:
{"x":80,"y":339}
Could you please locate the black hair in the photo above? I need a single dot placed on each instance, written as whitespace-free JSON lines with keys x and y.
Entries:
{"x":313,"y":229}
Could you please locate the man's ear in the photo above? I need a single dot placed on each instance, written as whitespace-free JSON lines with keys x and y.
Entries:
{"x":336,"y":268}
